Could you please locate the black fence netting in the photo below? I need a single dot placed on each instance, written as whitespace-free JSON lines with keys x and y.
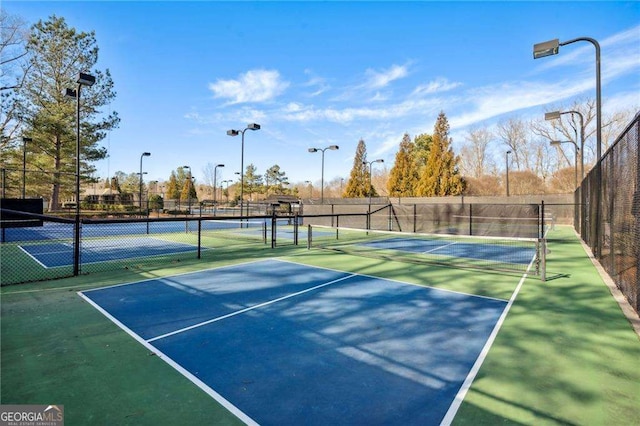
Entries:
{"x":609,"y":212}
{"x":35,"y":247}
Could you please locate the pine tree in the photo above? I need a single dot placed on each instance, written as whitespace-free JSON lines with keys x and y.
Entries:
{"x":440,"y":176}
{"x":404,"y":174}
{"x":358,"y":185}
{"x":57,"y":54}
{"x":252,"y":180}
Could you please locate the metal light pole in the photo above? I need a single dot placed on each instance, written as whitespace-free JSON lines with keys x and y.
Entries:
{"x":552,"y":47}
{"x":24,"y":165}
{"x":558,"y":143}
{"x":215,"y":175}
{"x":232,"y":132}
{"x":188,"y":188}
{"x":370,"y":163}
{"x":228,"y":181}
{"x":556,"y":115}
{"x":333,"y":148}
{"x":506,"y":156}
{"x":308,"y":182}
{"x":83,"y":80}
{"x":144,"y":154}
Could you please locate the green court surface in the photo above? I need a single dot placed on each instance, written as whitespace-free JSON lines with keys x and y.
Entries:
{"x":565,"y":354}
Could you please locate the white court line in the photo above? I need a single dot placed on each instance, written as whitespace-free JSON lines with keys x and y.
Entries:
{"x":31,"y":256}
{"x":466,"y":385}
{"x":250,"y":308}
{"x":393,"y":280}
{"x":439,"y":247}
{"x":159,"y":278}
{"x":215,"y":395}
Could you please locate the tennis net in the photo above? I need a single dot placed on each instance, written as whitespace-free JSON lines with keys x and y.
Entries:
{"x":481,"y":252}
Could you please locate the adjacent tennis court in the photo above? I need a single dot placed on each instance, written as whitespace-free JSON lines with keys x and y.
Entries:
{"x":57,"y":254}
{"x":279,"y":342}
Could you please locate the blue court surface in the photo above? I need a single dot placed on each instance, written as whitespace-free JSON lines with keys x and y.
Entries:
{"x":279,"y":343}
{"x":57,"y":254}
{"x":514,"y":254}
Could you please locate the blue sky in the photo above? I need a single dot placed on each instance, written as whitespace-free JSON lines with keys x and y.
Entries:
{"x":314,"y":74}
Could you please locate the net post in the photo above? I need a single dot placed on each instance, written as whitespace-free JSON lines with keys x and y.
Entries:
{"x":264,"y":231}
{"x":308,"y":237}
{"x":199,"y":236}
{"x":295,"y":229}
{"x":470,"y":219}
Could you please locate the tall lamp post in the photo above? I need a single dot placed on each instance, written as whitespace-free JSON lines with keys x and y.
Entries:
{"x":188,"y":188}
{"x":555,"y":115}
{"x":558,"y":143}
{"x":370,"y":163}
{"x":232,"y":132}
{"x":333,"y":148}
{"x":552,"y":47}
{"x":144,"y":154}
{"x":228,"y":181}
{"x":24,"y":165}
{"x":308,"y":182}
{"x":215,"y":175}
{"x":83,"y":80}
{"x":506,"y":157}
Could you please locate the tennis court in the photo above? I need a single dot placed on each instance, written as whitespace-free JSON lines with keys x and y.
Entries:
{"x":58,"y":254}
{"x":280,"y":342}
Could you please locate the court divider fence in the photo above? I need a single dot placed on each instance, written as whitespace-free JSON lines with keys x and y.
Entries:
{"x":47,"y":250}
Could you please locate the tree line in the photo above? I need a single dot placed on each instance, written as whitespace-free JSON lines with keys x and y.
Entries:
{"x":37,"y":124}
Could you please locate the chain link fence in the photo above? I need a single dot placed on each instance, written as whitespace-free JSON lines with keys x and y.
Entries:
{"x":609,"y":212}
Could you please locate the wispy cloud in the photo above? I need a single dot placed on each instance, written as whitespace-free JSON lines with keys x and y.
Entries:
{"x":252,"y":86}
{"x":380,"y":79}
{"x":438,"y":85}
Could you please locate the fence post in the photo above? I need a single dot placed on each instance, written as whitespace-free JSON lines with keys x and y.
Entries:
{"x":199,"y":236}
{"x":415,"y":217}
{"x":76,"y":246}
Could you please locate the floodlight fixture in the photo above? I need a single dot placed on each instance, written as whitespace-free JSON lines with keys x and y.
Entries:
{"x":553,"y":115}
{"x":86,"y":79}
{"x":547,"y":48}
{"x":71,"y":93}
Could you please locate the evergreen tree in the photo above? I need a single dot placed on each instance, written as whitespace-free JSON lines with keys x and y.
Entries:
{"x":404,"y":174}
{"x":440,"y":176}
{"x":188,"y":191}
{"x":57,"y":54}
{"x":276,"y":180}
{"x":252,"y":180}
{"x":421,"y":147}
{"x":358,"y":185}
{"x":173,"y":189}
